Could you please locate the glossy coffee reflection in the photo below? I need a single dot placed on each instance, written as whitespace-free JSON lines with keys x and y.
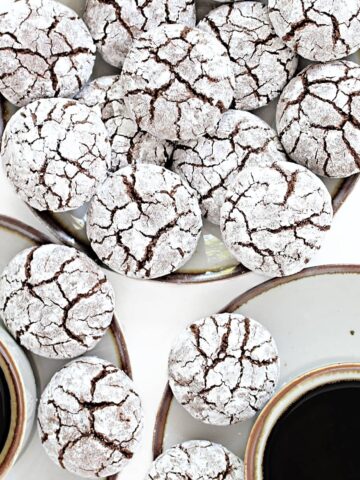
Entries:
{"x":5,"y":410}
{"x":317,"y":438}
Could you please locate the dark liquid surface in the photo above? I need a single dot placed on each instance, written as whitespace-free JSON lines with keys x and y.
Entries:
{"x":5,"y":410}
{"x":318,"y":437}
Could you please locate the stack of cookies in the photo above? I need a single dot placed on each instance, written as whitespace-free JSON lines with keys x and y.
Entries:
{"x":181,"y":102}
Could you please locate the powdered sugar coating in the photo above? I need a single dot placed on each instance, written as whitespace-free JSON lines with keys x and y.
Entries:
{"x":275,"y":217}
{"x":129,"y":144}
{"x":55,"y":301}
{"x":115,"y":24}
{"x":262,"y":63}
{"x":177,"y":82}
{"x":55,"y":152}
{"x":90,"y":418}
{"x":318,"y":118}
{"x":319,"y":30}
{"x":144,"y":221}
{"x":210,"y":163}
{"x":197,"y":460}
{"x":224,"y":368}
{"x":46,"y":51}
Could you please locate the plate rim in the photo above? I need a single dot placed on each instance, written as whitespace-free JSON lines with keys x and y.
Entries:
{"x":239,"y":301}
{"x":54,"y":227}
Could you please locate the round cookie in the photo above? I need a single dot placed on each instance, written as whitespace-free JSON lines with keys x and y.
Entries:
{"x":275,"y":217}
{"x":46,"y":51}
{"x":115,"y":24}
{"x":210,"y":163}
{"x":144,"y":221}
{"x":55,"y":152}
{"x":129,"y":144}
{"x":318,"y":118}
{"x":55,"y":301}
{"x":177,"y":82}
{"x":261,"y":61}
{"x":319,"y":30}
{"x":224,"y":368}
{"x":197,"y":460}
{"x":90,"y":418}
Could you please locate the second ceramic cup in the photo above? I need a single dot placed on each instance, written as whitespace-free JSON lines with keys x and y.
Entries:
{"x":17,"y":401}
{"x":317,"y":433}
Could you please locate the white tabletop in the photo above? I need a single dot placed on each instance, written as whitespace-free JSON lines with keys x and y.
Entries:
{"x":152,"y":313}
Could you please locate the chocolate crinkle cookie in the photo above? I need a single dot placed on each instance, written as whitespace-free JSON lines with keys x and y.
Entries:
{"x":319,"y":30}
{"x":224,"y":368}
{"x":90,"y":418}
{"x":46,"y":51}
{"x":129,"y":144}
{"x":55,"y":152}
{"x":144,"y":221}
{"x":115,"y":24}
{"x":55,"y":301}
{"x":197,"y":460}
{"x":177,"y":82}
{"x":262,"y":63}
{"x":318,"y":118}
{"x":275,"y":217}
{"x":210,"y":163}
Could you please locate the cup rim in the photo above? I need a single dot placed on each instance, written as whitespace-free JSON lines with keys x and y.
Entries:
{"x":18,"y":433}
{"x":258,"y":429}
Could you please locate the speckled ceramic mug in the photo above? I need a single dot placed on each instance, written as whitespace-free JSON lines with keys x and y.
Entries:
{"x":21,"y":394}
{"x":280,"y":403}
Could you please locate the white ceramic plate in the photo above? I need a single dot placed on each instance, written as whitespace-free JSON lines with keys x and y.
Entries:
{"x":212,"y":260}
{"x":314,"y":317}
{"x":33,"y":463}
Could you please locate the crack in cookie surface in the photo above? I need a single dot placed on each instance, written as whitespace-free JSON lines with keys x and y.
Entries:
{"x":55,"y":301}
{"x":224,"y":368}
{"x":318,"y":30}
{"x":197,"y":460}
{"x":144,"y":221}
{"x":90,"y":418}
{"x":210,"y":163}
{"x":177,"y":82}
{"x":262,"y":63}
{"x":275,"y":217}
{"x":318,"y":118}
{"x":46,"y":51}
{"x":55,"y":152}
{"x":115,"y":24}
{"x":129,"y":144}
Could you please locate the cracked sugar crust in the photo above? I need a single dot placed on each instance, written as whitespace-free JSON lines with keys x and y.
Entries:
{"x":55,"y":301}
{"x":90,"y":418}
{"x":46,"y":51}
{"x":318,"y":118}
{"x":129,"y":144}
{"x":319,"y":30}
{"x":210,"y":163}
{"x":275,"y":217}
{"x":144,"y":221}
{"x":224,"y":368}
{"x":55,"y":152}
{"x":115,"y":24}
{"x":262,"y":63}
{"x":177,"y":82}
{"x":197,"y":460}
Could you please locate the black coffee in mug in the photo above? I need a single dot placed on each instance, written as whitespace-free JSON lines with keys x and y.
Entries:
{"x":5,"y":409}
{"x":317,"y":438}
